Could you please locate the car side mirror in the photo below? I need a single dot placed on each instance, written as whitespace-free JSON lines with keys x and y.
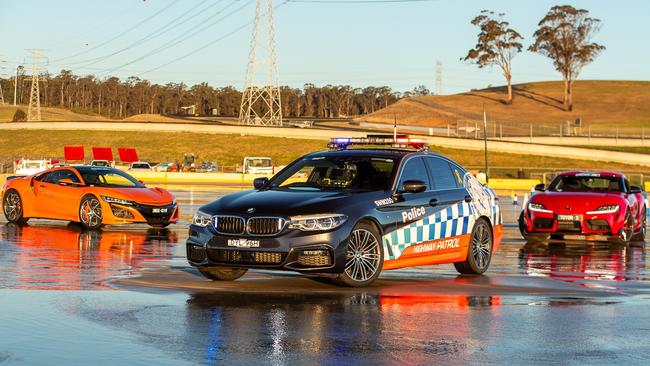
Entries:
{"x":539,"y":187}
{"x":68,"y":182}
{"x":635,"y":189}
{"x":414,"y":186}
{"x":260,"y":182}
{"x":141,"y":181}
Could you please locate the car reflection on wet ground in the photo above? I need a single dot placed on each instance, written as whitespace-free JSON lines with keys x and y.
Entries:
{"x":124,"y":295}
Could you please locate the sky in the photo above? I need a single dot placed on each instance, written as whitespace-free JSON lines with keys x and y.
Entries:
{"x":323,"y":42}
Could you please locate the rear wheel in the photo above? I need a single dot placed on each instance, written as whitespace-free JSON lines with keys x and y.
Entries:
{"x":222,"y":273}
{"x":364,"y":258}
{"x":12,"y":206}
{"x":90,"y":212}
{"x":479,"y":253}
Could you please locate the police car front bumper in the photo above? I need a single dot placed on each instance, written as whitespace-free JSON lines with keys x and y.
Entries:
{"x":295,"y":250}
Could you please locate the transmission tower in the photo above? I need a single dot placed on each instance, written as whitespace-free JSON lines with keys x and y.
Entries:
{"x":34,"y":111}
{"x":438,"y":77}
{"x":260,"y":104}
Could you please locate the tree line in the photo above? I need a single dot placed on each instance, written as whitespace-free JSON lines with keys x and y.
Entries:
{"x":564,"y":36}
{"x":115,"y":98}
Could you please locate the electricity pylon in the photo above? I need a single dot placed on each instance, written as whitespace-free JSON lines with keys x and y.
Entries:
{"x":260,"y":104}
{"x":34,"y":110}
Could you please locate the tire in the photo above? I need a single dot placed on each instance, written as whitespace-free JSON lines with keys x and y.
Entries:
{"x":522,"y":224}
{"x":640,"y":236}
{"x":12,"y":206}
{"x":90,"y":212}
{"x":222,"y":273}
{"x":479,"y":253}
{"x":627,"y":231}
{"x":364,"y":259}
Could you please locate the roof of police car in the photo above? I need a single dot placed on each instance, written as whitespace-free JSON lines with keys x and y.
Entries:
{"x":372,"y":152}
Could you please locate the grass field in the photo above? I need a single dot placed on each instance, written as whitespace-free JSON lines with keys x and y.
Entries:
{"x":228,"y":150}
{"x":604,"y":104}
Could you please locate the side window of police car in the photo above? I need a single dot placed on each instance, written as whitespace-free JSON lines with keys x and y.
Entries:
{"x":413,"y":170}
{"x":446,"y":181}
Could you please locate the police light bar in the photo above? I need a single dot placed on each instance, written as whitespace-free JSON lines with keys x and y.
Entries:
{"x":397,"y":141}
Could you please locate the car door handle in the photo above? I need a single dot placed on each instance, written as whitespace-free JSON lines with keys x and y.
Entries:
{"x":468,"y":198}
{"x":433,"y":202}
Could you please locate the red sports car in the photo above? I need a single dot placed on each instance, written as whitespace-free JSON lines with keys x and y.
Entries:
{"x":587,"y":204}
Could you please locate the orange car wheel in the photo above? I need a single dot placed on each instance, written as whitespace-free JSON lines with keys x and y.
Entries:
{"x":90,"y":212}
{"x":12,"y":206}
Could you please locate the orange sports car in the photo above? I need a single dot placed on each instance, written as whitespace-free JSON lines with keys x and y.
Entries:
{"x":91,"y":195}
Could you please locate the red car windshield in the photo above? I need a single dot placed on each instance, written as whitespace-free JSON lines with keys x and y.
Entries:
{"x":586,"y":183}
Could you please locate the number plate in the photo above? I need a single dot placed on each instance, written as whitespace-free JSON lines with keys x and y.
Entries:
{"x":569,"y":217}
{"x":159,"y":210}
{"x":243,"y":243}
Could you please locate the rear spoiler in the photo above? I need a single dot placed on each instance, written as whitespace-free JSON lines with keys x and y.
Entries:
{"x":15,"y":176}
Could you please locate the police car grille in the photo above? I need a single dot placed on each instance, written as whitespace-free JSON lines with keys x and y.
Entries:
{"x":265,"y":225}
{"x":229,"y":224}
{"x":245,"y":257}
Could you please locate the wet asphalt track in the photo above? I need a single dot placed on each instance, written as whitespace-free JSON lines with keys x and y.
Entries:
{"x":126,"y":296}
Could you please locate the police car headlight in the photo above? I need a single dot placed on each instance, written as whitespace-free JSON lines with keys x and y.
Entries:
{"x":538,"y":207}
{"x":119,"y":201}
{"x":201,"y":219}
{"x":317,"y":222}
{"x":604,"y":210}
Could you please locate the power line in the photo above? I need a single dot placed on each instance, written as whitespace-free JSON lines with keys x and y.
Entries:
{"x":155,"y":34}
{"x":198,"y":49}
{"x":171,"y":3}
{"x":358,"y":1}
{"x":182,"y":37}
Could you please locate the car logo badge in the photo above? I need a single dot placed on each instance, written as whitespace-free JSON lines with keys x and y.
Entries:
{"x":568,"y":208}
{"x":250,"y":210}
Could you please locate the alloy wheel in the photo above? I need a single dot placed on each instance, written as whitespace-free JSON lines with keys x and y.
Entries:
{"x":13,"y":206}
{"x":481,"y":246}
{"x":91,"y":212}
{"x":363,"y":256}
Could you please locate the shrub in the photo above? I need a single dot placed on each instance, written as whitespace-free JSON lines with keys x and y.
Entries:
{"x":19,"y":116}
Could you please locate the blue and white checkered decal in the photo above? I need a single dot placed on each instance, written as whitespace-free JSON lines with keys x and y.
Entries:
{"x":455,"y":220}
{"x":452,"y":221}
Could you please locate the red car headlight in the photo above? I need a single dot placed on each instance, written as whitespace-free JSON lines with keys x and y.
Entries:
{"x":604,"y":210}
{"x":538,"y":207}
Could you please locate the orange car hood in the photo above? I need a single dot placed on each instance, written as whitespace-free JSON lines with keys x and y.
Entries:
{"x":152,"y":196}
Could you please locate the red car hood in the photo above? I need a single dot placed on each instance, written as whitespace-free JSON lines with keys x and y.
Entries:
{"x":148,"y":196}
{"x":576,"y":202}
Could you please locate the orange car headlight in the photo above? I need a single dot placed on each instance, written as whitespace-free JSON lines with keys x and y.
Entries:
{"x":119,"y":201}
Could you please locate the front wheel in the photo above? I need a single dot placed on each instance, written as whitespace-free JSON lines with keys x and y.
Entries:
{"x":12,"y":206}
{"x":640,"y":236}
{"x":479,"y":253}
{"x":364,"y":258}
{"x":222,"y":273}
{"x":90,"y":212}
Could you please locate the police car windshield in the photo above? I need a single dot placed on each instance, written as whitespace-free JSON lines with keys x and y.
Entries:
{"x":336,"y":174}
{"x":107,"y":177}
{"x":586,"y":183}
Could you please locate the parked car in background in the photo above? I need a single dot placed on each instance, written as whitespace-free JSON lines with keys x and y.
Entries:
{"x":162,"y":167}
{"x":29,"y":167}
{"x":140,"y":166}
{"x":104,"y":163}
{"x":207,"y":167}
{"x":257,"y":165}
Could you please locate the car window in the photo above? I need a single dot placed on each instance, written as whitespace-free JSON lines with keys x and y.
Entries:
{"x":336,"y":173}
{"x":443,"y":176}
{"x":56,"y":176}
{"x":414,"y":169}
